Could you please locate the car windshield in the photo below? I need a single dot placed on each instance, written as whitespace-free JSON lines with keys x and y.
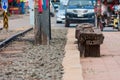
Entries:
{"x":81,"y":4}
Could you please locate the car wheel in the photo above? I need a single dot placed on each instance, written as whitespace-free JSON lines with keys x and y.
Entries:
{"x":67,"y":23}
{"x":58,"y":21}
{"x":52,"y":15}
{"x":118,"y":28}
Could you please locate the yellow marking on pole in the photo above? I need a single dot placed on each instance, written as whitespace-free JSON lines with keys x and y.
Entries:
{"x":5,"y":20}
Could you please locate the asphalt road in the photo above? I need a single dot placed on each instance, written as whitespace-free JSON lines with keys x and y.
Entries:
{"x":62,"y":25}
{"x":16,"y":21}
{"x":59,"y":25}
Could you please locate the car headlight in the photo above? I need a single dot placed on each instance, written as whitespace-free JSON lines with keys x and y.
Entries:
{"x":93,"y":16}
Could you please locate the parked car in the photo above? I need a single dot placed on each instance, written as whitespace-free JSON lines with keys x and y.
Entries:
{"x":60,"y":15}
{"x":79,"y":11}
{"x":56,"y":5}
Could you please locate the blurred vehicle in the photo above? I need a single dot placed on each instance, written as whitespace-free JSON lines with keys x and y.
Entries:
{"x":60,"y":15}
{"x":52,"y":11}
{"x":80,"y":11}
{"x":56,"y":5}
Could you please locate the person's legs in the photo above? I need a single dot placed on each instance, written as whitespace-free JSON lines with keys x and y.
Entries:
{"x":106,"y":19}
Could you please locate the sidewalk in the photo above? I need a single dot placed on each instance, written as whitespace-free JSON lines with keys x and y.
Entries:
{"x":106,"y":67}
{"x":71,"y":61}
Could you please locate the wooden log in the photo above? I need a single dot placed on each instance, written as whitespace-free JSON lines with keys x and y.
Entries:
{"x":92,"y":51}
{"x":89,"y":40}
{"x":80,"y":28}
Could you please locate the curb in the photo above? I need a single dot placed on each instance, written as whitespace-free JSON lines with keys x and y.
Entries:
{"x":71,"y":62}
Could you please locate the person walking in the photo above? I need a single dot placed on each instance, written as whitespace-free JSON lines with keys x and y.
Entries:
{"x":104,"y":9}
{"x":22,"y":5}
{"x":104,"y":12}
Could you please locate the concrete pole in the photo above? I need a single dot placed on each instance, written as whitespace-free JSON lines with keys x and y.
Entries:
{"x":37,"y":29}
{"x":42,"y":25}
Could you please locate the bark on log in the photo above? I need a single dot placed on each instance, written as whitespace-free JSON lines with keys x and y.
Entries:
{"x":89,"y":40}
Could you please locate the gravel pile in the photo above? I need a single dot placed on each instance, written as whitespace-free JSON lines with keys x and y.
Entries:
{"x":42,"y":62}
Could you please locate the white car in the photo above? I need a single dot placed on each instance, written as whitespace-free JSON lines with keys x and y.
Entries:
{"x":52,"y":11}
{"x":60,"y":15}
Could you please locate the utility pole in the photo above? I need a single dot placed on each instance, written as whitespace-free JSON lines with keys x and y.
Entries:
{"x":42,"y":23}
